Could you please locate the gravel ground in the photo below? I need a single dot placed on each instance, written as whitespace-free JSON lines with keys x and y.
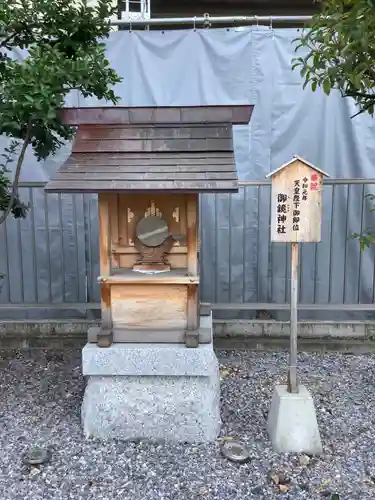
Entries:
{"x":40,"y":404}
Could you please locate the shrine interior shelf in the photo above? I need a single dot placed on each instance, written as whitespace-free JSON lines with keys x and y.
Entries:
{"x":128,"y":276}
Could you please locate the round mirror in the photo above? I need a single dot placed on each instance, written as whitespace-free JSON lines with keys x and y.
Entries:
{"x":152,"y":231}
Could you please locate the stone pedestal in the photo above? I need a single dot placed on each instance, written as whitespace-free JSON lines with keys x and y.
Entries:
{"x":151,"y":391}
{"x":292,"y":424}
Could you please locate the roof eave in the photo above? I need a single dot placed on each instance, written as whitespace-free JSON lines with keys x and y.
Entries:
{"x":302,"y":160}
{"x":51,"y":187}
{"x":238,"y":114}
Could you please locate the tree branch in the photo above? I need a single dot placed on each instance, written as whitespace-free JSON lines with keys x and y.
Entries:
{"x":363,"y":110}
{"x":4,"y":42}
{"x":353,"y":93}
{"x":21,"y":157}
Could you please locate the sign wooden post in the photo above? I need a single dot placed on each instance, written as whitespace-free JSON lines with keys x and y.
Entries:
{"x":292,"y":373}
{"x":296,"y":214}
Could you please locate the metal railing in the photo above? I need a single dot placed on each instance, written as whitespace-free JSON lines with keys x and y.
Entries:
{"x":50,"y":259}
{"x":208,"y":21}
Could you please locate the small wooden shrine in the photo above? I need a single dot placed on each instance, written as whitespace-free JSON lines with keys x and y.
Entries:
{"x":148,"y":166}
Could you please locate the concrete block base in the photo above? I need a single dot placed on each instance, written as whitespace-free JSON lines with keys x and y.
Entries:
{"x":292,"y":424}
{"x":155,"y":392}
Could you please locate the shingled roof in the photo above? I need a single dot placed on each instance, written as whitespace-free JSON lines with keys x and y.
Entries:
{"x":151,"y":149}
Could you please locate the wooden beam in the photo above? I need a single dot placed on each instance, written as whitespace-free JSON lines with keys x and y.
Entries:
{"x":146,"y":279}
{"x":123,"y":250}
{"x":151,"y":336}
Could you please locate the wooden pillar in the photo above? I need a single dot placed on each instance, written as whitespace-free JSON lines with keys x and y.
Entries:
{"x":192,"y":234}
{"x":105,"y":337}
{"x":192,"y":339}
{"x":114,"y":229}
{"x":292,"y":375}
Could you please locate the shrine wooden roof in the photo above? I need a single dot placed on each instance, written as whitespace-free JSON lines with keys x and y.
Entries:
{"x":187,"y":149}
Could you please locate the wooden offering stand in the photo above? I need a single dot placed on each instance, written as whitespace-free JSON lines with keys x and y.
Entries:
{"x":148,"y":166}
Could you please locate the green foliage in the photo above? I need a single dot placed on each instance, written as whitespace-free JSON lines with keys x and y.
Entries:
{"x":367,"y":237}
{"x":65,"y":52}
{"x":340,"y":46}
{"x":340,"y":53}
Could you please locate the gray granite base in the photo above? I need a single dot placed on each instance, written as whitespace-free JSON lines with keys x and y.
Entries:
{"x":153,"y":392}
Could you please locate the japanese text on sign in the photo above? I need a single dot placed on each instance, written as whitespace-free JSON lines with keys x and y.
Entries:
{"x":300,"y":192}
{"x":296,"y":205}
{"x":305,"y":186}
{"x":282,"y":210}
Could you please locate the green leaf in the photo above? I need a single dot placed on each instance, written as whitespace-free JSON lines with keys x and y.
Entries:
{"x":316,"y":57}
{"x":327,"y":86}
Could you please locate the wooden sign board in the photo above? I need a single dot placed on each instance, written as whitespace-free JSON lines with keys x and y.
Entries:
{"x":296,"y":204}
